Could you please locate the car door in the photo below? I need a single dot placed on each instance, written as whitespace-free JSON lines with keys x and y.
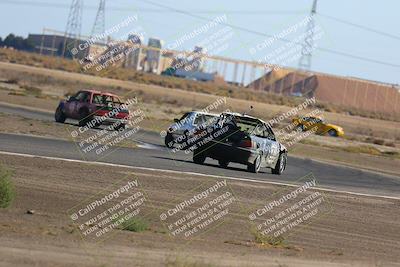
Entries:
{"x":272,"y":145}
{"x":324,"y":127}
{"x":259,"y":136}
{"x":307,"y":122}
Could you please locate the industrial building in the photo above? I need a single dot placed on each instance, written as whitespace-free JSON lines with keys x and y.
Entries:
{"x":345,"y":91}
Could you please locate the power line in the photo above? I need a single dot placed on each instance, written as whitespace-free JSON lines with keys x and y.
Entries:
{"x":153,"y":10}
{"x":192,"y":14}
{"x":322,"y":49}
{"x":360,"y":26}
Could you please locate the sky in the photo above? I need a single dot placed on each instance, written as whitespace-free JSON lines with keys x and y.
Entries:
{"x":266,"y":17}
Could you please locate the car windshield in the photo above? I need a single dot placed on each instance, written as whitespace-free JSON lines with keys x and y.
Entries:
{"x":185,"y":116}
{"x":313,"y":120}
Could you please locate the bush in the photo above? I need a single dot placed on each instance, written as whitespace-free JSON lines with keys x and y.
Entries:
{"x":7,"y":192}
{"x":262,"y":239}
{"x":134,"y":225}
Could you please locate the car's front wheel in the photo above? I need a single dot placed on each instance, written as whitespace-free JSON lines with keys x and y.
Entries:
{"x":85,"y":118}
{"x":280,"y":165}
{"x":59,"y":115}
{"x":333,"y":132}
{"x":120,"y":127}
{"x":169,"y":139}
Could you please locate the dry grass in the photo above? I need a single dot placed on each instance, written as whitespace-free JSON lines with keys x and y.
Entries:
{"x":7,"y":191}
{"x":170,"y":103}
{"x":364,"y":149}
{"x":118,"y":73}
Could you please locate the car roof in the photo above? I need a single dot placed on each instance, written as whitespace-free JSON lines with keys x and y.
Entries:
{"x":204,"y":113}
{"x":244,"y":116}
{"x":315,"y":117}
{"x":98,"y":92}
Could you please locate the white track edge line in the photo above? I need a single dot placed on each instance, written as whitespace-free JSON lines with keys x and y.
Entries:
{"x":195,"y":174}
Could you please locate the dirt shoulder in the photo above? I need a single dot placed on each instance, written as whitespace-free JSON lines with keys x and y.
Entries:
{"x":357,"y":231}
{"x":56,"y":83}
{"x":16,"y":124}
{"x":388,"y":165}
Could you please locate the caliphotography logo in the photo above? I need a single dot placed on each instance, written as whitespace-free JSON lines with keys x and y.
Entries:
{"x":213,"y":133}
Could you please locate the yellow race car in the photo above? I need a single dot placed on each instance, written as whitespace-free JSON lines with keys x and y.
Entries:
{"x":319,"y":125}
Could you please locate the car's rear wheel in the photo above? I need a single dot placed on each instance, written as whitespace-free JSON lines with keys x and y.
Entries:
{"x":333,"y":132}
{"x":199,"y":157}
{"x":280,"y":165}
{"x":255,"y":166}
{"x":59,"y":115}
{"x":223,"y":163}
{"x":169,"y":140}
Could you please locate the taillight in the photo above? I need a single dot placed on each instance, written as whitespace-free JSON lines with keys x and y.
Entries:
{"x":246,"y":143}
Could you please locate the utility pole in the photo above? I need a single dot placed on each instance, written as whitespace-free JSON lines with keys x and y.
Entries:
{"x":308,"y":45}
{"x":73,"y":29}
{"x":99,"y":25}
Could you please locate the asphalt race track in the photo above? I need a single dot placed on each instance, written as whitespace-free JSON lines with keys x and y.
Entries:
{"x":152,"y":154}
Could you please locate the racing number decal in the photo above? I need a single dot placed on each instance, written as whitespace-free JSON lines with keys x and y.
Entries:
{"x":274,"y":149}
{"x":273,"y":152}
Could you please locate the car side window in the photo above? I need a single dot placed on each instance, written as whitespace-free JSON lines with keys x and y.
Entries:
{"x":198,"y":119}
{"x":184,"y":116}
{"x":269,"y":133}
{"x":260,"y":131}
{"x":116,"y":100}
{"x":97,"y":99}
{"x":208,"y":120}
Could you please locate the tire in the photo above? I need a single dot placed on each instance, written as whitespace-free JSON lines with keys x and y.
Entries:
{"x":121,"y":126}
{"x":332,"y":132}
{"x":169,"y":140}
{"x":256,"y":166}
{"x":97,"y":124}
{"x":199,"y":157}
{"x":301,"y":127}
{"x":59,"y":115}
{"x":280,"y":164}
{"x":223,"y":163}
{"x":84,"y":115}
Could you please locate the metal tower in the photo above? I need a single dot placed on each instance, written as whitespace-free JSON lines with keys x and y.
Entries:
{"x":308,"y":45}
{"x":100,"y":22}
{"x":73,"y":29}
